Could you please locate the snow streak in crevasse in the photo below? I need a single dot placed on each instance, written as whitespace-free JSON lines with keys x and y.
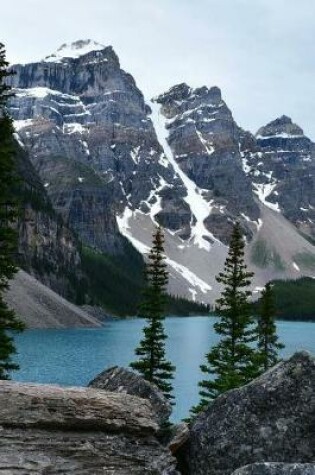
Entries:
{"x":198,"y":205}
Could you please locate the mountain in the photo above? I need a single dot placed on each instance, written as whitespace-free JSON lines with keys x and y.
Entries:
{"x":114,"y":165}
{"x":86,"y":127}
{"x":285,"y":178}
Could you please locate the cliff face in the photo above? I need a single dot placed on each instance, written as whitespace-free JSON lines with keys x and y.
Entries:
{"x":205,"y":142}
{"x":289,"y":171}
{"x":46,"y":247}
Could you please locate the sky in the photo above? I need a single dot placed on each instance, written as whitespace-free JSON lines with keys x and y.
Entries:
{"x":259,"y":52}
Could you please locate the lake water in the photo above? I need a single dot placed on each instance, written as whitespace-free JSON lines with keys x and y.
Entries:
{"x":74,"y":357}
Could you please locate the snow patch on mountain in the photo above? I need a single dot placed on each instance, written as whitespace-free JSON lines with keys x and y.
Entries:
{"x":187,"y":274}
{"x":263,"y":190}
{"x":199,"y":207}
{"x":280,"y":135}
{"x":124,"y":228}
{"x":74,"y":50}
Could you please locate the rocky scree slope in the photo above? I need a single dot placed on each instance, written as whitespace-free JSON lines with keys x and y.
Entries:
{"x":38,"y":306}
{"x":114,"y":165}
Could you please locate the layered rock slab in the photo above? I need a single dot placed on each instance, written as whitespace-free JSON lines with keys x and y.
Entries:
{"x":271,"y":419}
{"x":50,"y":429}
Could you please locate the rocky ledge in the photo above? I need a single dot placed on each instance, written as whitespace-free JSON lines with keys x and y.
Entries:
{"x":49,"y":429}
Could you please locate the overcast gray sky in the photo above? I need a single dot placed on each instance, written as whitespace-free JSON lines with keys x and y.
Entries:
{"x":259,"y":52}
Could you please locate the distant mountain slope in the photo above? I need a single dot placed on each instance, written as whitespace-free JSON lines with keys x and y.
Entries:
{"x":282,"y":169}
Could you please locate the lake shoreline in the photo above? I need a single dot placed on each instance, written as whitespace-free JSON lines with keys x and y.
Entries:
{"x":73,"y":357}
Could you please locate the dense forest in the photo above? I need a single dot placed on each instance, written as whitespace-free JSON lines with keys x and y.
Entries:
{"x":294,"y":299}
{"x":115,"y":283}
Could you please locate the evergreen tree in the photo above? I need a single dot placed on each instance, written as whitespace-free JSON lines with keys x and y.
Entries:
{"x":152,"y":364}
{"x":233,"y":361}
{"x":8,"y":213}
{"x":268,"y":342}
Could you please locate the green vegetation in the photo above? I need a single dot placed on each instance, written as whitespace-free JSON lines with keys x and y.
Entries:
{"x":233,"y":361}
{"x":115,"y":283}
{"x":268,"y":342}
{"x":262,"y":256}
{"x":152,"y":364}
{"x":181,"y":306}
{"x":294,"y":299}
{"x":8,"y":214}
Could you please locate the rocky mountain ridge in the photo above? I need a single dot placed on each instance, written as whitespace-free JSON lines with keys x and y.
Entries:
{"x":114,"y":164}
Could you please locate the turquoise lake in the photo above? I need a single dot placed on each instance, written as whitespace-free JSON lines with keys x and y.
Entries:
{"x":74,"y":357}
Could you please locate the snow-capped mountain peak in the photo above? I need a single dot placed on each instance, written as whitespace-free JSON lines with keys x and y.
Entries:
{"x":74,"y":50}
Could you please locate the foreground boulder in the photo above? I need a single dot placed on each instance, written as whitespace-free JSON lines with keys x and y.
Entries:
{"x":124,"y":381}
{"x":271,"y":419}
{"x":277,"y":469}
{"x":50,"y":429}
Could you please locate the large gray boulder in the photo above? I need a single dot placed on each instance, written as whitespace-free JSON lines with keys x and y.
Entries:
{"x":50,"y":429}
{"x":121,"y":380}
{"x":277,"y":469}
{"x":271,"y":419}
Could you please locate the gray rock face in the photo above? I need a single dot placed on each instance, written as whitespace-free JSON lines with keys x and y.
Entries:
{"x":271,"y":419}
{"x":205,"y":142}
{"x":121,"y":380}
{"x":49,"y":429}
{"x":277,"y":469}
{"x":87,"y":129}
{"x":282,"y":167}
{"x":47,"y":248}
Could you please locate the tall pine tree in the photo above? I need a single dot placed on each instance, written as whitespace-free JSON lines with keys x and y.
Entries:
{"x":8,"y":213}
{"x":233,"y":361}
{"x":152,"y":364}
{"x":268,"y":341}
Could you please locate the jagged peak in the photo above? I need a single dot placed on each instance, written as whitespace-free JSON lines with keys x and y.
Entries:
{"x":181,"y":92}
{"x":282,"y":127}
{"x":76,"y":50}
{"x":178,"y":92}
